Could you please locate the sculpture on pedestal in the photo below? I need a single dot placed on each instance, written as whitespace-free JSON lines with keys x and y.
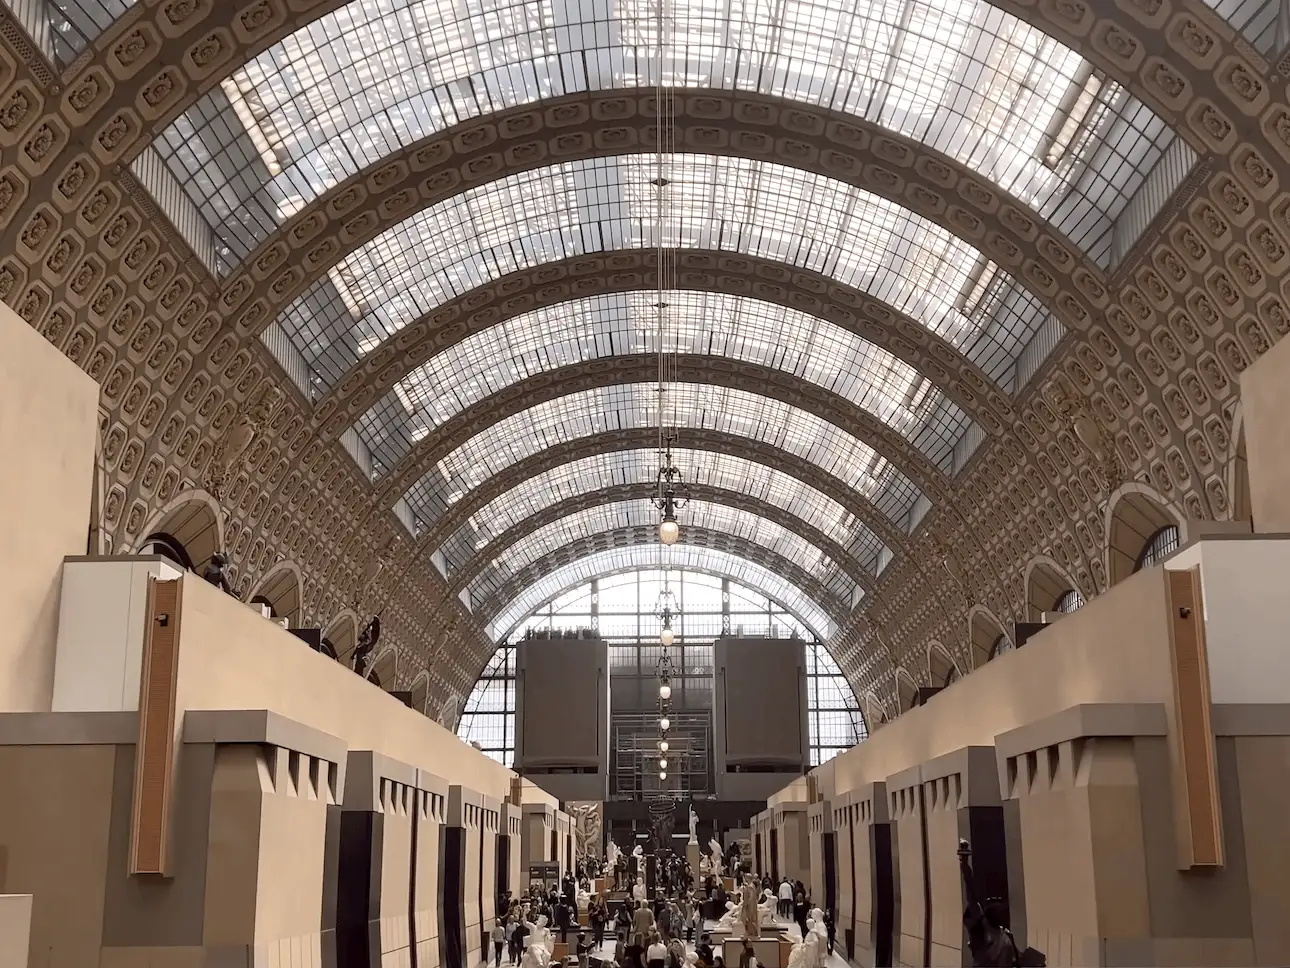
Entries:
{"x":714,"y":846}
{"x":989,"y":940}
{"x":216,"y":572}
{"x":694,"y":827}
{"x":749,"y":915}
{"x":367,"y":639}
{"x":612,"y":855}
{"x":541,"y":944}
{"x":638,"y":889}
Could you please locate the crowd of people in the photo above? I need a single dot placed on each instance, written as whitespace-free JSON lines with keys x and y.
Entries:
{"x":647,"y":932}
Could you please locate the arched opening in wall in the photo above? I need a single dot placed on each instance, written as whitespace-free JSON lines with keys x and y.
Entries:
{"x":384,"y":669}
{"x":1238,"y":473}
{"x":906,"y":691}
{"x":281,"y":590}
{"x":187,"y":532}
{"x":941,"y":666}
{"x":1046,"y":583}
{"x":1068,"y":601}
{"x":96,"y":541}
{"x":987,"y":636}
{"x":341,"y":636}
{"x":1141,"y":531}
{"x":875,"y":710}
{"x":1158,"y":547}
{"x":420,"y":692}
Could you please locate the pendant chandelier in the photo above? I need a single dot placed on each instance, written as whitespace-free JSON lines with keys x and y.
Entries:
{"x":670,"y":493}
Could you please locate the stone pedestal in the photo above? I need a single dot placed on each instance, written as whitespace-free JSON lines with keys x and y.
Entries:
{"x":693,"y":855}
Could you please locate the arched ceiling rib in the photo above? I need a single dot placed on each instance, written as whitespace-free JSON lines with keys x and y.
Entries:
{"x":619,"y":394}
{"x":776,"y":462}
{"x":698,"y":324}
{"x":636,"y":471}
{"x":833,"y":608}
{"x":496,"y":559}
{"x":965,"y":77}
{"x":699,"y":516}
{"x":615,"y":561}
{"x":358,"y":297}
{"x":701,"y":270}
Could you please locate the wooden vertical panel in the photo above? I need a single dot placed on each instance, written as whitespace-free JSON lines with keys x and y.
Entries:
{"x":1201,"y":840}
{"x":155,"y":749}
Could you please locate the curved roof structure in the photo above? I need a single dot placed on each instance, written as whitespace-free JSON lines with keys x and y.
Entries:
{"x":940,"y":276}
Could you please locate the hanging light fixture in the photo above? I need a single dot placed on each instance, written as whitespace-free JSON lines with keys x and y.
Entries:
{"x":662,"y":775}
{"x":662,"y":746}
{"x":664,"y":724}
{"x":662,"y":764}
{"x":665,"y":688}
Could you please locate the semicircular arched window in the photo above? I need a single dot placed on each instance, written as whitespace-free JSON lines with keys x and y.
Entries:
{"x":1159,"y":546}
{"x":1000,"y":646}
{"x":1068,"y":601}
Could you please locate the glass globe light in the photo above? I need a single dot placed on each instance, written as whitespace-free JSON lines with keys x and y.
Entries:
{"x":662,"y":775}
{"x":662,"y":745}
{"x":665,"y":690}
{"x":667,"y":637}
{"x":669,"y":531}
{"x":665,"y":724}
{"x":662,"y":764}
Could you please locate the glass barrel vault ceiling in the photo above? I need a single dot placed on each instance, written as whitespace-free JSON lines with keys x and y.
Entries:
{"x":634,"y":405}
{"x":692,"y":557}
{"x":641,"y":513}
{"x":701,"y":323}
{"x":371,"y":77}
{"x":702,"y":468}
{"x":728,"y":204}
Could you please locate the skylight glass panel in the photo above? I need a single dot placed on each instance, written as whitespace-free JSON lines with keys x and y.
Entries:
{"x":641,"y":513}
{"x":640,"y":467}
{"x":368,"y":78}
{"x":699,"y":323}
{"x":728,"y":204}
{"x":692,"y":557}
{"x":627,"y":406}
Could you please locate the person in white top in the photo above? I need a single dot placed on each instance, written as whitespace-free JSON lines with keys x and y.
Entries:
{"x":786,"y":899}
{"x":656,"y":956}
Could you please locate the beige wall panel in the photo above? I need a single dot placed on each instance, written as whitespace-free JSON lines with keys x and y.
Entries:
{"x":906,"y":832}
{"x":15,"y":929}
{"x":293,"y":832}
{"x":1263,"y":763}
{"x":946,"y":882}
{"x":48,"y":430}
{"x":427,"y":874}
{"x":55,"y":813}
{"x":396,"y":855}
{"x":243,"y":780}
{"x":231,"y":658}
{"x":1064,"y":665}
{"x":1265,"y":400}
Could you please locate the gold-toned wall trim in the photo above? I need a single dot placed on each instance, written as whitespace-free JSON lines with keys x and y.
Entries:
{"x":155,"y":751}
{"x":1200,"y":835}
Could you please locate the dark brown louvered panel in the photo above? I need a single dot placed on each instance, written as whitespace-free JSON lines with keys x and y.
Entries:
{"x":154,"y":753}
{"x":1202,"y":843}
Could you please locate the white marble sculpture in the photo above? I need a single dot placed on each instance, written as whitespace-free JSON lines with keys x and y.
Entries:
{"x":638,"y":889}
{"x":612,"y":853}
{"x":714,"y":846}
{"x":694,"y":827}
{"x":541,"y":944}
{"x":729,"y":920}
{"x":767,"y":908}
{"x":705,"y":865}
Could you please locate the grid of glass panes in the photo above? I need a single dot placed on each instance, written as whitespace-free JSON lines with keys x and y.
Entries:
{"x":362,"y":81}
{"x":700,"y":468}
{"x":564,"y":581}
{"x":766,"y":535}
{"x":1068,"y":601}
{"x":698,"y":323}
{"x":832,"y":711}
{"x":1159,"y":546}
{"x":729,"y":204}
{"x":624,"y":610}
{"x":634,"y":405}
{"x":489,"y":715}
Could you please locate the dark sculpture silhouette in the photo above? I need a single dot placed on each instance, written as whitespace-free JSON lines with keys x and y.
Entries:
{"x":989,"y":939}
{"x":367,"y":639}
{"x":216,"y":572}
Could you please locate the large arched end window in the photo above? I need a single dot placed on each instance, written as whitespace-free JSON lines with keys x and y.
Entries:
{"x":1068,"y":601}
{"x":621,"y":608}
{"x":1142,"y":530}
